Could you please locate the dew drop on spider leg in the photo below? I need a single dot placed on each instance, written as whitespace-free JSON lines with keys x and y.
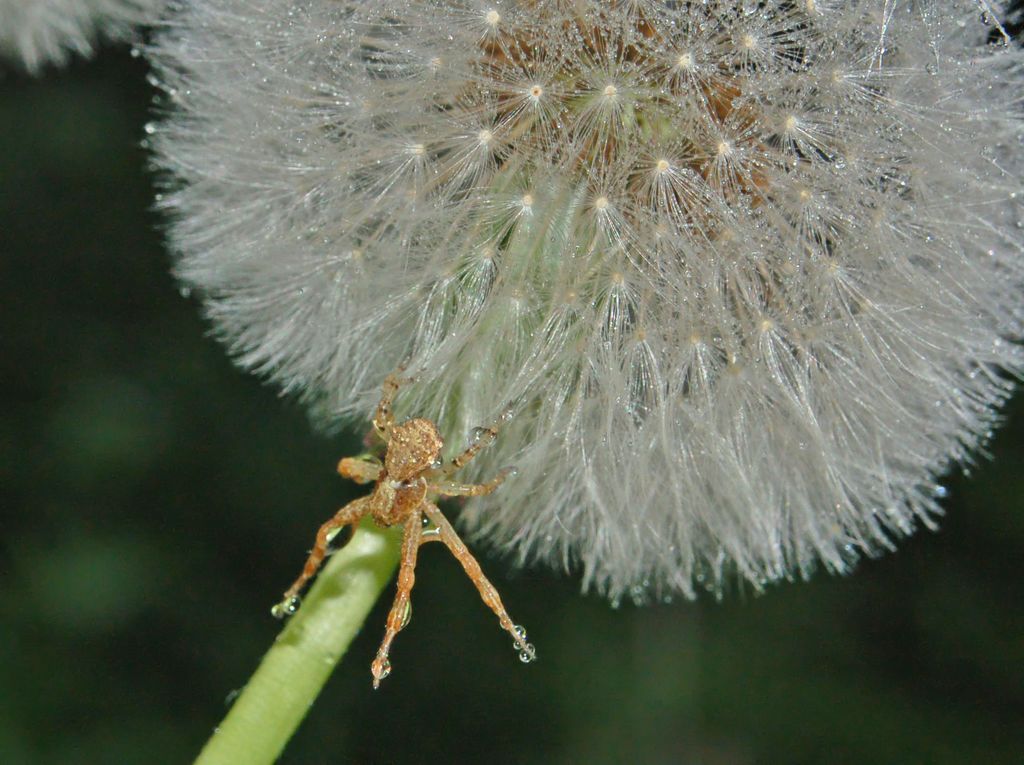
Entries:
{"x":385,"y":669}
{"x":527,"y":653}
{"x":407,"y":614}
{"x":479,"y":434}
{"x":286,"y":607}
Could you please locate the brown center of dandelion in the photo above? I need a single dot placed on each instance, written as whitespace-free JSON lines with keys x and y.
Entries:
{"x":630,"y":105}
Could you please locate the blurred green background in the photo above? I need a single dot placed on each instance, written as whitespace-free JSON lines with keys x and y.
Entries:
{"x":155,"y":502}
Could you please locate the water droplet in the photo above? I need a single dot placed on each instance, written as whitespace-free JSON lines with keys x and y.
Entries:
{"x":527,"y":652}
{"x":149,"y":128}
{"x":437,"y":464}
{"x":185,"y":292}
{"x":479,"y":434}
{"x":941,"y":491}
{"x":385,"y":669}
{"x":230,"y":698}
{"x":286,"y":607}
{"x":407,"y":614}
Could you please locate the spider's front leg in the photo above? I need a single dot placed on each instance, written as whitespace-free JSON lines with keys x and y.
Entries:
{"x":488,"y":592}
{"x":452,"y":489}
{"x":384,"y":417}
{"x":482,"y":438}
{"x":349,"y":514}
{"x":401,"y":609}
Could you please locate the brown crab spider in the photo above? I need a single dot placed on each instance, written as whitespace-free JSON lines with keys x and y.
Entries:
{"x":407,"y":482}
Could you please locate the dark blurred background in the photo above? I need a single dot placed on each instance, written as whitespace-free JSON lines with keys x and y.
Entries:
{"x":155,"y":501}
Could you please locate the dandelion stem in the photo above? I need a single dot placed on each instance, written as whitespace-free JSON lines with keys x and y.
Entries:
{"x":282,"y":690}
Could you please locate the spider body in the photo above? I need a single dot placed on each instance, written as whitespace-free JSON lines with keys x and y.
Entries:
{"x":407,"y":483}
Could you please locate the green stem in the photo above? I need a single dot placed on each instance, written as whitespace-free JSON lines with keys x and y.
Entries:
{"x":282,"y":690}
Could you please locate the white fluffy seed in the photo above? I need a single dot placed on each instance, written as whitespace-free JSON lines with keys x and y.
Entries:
{"x":668,"y":433}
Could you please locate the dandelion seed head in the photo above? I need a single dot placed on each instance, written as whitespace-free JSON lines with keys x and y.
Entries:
{"x":37,"y":32}
{"x":747,"y":273}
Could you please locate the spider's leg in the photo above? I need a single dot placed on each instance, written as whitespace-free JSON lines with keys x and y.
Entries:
{"x":452,"y":489}
{"x":350,"y":513}
{"x":398,"y":616}
{"x":360,"y":469}
{"x":482,"y":438}
{"x":488,"y":593}
{"x":384,"y":417}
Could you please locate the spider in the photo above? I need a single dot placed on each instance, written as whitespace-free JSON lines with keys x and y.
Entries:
{"x":407,"y":481}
